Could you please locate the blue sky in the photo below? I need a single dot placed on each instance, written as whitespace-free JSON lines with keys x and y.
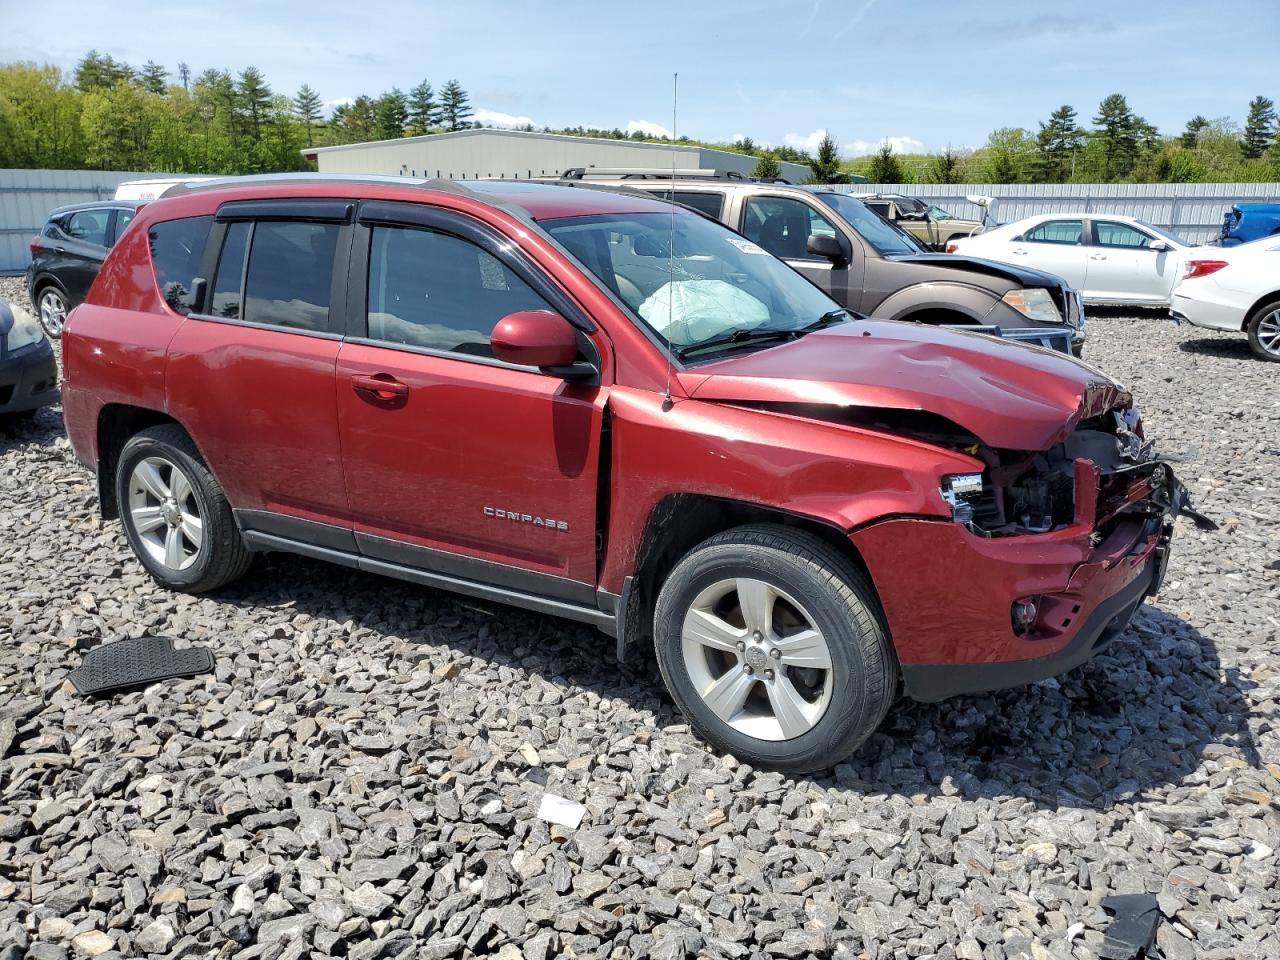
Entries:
{"x":923,"y":72}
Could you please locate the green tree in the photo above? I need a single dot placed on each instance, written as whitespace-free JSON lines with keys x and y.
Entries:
{"x":39,"y":118}
{"x":306,"y":106}
{"x":1191,"y":135}
{"x":153,"y":77}
{"x":885,"y":167}
{"x":392,"y":113}
{"x":1059,"y":141}
{"x":826,"y":165}
{"x":767,"y":168}
{"x":745,"y":145}
{"x":455,"y":106}
{"x":945,"y":167}
{"x":424,"y":112}
{"x":356,"y":121}
{"x":1259,"y":128}
{"x":98,"y":71}
{"x":184,"y":76}
{"x":117,"y":126}
{"x":1009,"y":156}
{"x":252,"y":98}
{"x":1119,"y":133}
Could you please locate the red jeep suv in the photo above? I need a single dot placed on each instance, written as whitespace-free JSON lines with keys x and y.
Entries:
{"x":603,"y":407}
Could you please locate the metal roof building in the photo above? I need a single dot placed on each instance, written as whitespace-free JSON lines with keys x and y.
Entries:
{"x":516,"y":154}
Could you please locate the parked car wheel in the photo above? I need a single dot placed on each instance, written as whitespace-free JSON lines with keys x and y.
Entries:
{"x":175,"y":514}
{"x":51,"y":303}
{"x":771,"y":644}
{"x":1264,"y":331}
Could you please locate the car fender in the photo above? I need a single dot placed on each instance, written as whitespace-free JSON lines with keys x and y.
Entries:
{"x":975,"y":303}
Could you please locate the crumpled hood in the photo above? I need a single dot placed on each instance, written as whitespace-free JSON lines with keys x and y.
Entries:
{"x":1010,"y":395}
{"x":1015,"y":273}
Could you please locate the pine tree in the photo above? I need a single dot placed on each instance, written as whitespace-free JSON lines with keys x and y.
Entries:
{"x":1259,"y":128}
{"x":153,"y":77}
{"x":767,"y":168}
{"x":745,"y":145}
{"x":826,"y":166}
{"x":252,"y":96}
{"x":100,"y":71}
{"x":1191,"y":135}
{"x":424,"y":112}
{"x":392,"y":110}
{"x":1119,"y":131}
{"x":306,"y":106}
{"x":945,"y":167}
{"x":1058,"y":142}
{"x":455,"y":106}
{"x":184,"y":76}
{"x":885,"y":167}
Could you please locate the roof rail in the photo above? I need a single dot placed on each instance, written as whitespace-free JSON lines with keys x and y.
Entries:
{"x":267,"y":179}
{"x":652,"y":173}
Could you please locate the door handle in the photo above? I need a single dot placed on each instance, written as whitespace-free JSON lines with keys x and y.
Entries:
{"x":1020,"y":253}
{"x":1097,"y":256}
{"x":57,"y":249}
{"x":380,"y":387}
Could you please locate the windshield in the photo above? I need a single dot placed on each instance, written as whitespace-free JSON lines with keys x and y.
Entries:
{"x":937,"y":213}
{"x":717,"y":283}
{"x":885,"y":238}
{"x":1172,"y":237}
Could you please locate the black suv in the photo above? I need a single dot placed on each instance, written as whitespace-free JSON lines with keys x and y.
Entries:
{"x":67,"y":253}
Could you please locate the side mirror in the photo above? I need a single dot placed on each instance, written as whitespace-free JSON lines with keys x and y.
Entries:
{"x":1158,"y":246}
{"x":535,"y":338}
{"x":831,"y":248}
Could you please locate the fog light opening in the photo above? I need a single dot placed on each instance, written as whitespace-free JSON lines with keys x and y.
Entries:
{"x":1023,"y":614}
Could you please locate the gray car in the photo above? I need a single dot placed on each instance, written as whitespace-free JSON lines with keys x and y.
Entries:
{"x":874,"y":267}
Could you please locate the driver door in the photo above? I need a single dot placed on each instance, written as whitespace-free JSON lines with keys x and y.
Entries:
{"x":783,"y":225}
{"x":1122,"y":265}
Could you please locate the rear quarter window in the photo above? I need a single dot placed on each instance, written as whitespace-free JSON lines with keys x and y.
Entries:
{"x":177,"y":247}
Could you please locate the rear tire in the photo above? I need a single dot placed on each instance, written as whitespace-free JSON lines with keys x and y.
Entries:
{"x":175,"y":515}
{"x":52,"y":307}
{"x":1264,"y":331}
{"x":804,"y":690}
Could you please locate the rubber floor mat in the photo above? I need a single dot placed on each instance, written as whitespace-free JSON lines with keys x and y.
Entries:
{"x":136,"y":662}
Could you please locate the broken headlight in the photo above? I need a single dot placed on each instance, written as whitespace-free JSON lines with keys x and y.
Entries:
{"x":1034,"y":303}
{"x":962,"y":491}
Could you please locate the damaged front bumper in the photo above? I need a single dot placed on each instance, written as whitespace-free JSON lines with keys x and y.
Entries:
{"x":952,"y":602}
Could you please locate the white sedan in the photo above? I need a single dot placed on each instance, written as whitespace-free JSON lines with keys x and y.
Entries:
{"x":1110,"y":259}
{"x":1234,"y":288}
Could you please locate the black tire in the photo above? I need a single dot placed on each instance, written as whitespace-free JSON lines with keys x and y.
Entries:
{"x":1265,"y":312}
{"x":842,"y":605}
{"x":221,"y":556}
{"x":52,"y":331}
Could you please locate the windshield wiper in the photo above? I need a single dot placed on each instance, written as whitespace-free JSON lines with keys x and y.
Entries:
{"x":741,"y":335}
{"x":838,"y":315}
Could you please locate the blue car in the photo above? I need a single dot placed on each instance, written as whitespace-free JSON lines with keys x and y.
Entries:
{"x":1249,"y":221}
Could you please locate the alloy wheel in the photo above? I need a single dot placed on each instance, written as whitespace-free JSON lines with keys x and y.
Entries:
{"x":165,"y":513}
{"x":1269,"y":333}
{"x":53,"y":312}
{"x":757,"y":659}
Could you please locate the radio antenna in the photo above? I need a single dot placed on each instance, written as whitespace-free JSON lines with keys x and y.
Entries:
{"x":671,"y":240}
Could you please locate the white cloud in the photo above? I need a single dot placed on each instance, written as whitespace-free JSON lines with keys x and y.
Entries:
{"x":648,"y":128}
{"x":851,"y":148}
{"x":340,"y":102}
{"x":496,"y":118}
{"x":807,"y":142}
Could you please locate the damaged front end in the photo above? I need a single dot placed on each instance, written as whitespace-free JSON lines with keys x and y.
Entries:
{"x":1103,"y":471}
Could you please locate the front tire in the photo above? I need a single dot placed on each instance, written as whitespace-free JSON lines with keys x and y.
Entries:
{"x":175,"y":515}
{"x":1264,"y":331}
{"x":771,"y":644}
{"x":52,"y":307}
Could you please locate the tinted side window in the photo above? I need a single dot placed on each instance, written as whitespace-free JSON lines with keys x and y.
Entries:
{"x":712,"y":204}
{"x":1108,"y":233}
{"x":783,"y":226}
{"x":176,"y":249}
{"x":289,"y":274}
{"x":1055,"y":231}
{"x":228,"y":282}
{"x":89,"y":226}
{"x":437,"y":291}
{"x":123,"y":219}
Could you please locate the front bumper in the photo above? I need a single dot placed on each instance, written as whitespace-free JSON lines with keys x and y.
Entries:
{"x":28,"y":380}
{"x":947,"y":593}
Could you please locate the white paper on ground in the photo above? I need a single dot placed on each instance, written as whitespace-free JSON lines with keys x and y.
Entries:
{"x":555,"y":809}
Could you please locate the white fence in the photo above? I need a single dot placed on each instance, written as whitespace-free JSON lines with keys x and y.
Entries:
{"x":1191,"y":210}
{"x":27,"y":196}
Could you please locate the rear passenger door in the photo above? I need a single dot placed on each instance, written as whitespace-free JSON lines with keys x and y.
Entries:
{"x":251,"y":372}
{"x":456,"y":462}
{"x":84,"y":247}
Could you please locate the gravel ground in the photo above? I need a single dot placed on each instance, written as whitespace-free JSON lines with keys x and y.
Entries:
{"x":361,"y":777}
